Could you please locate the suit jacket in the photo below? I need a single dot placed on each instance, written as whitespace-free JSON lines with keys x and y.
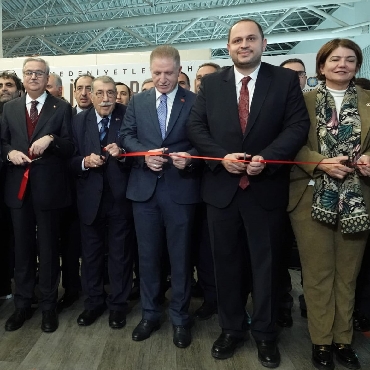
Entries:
{"x":277,"y":128}
{"x":141,"y":132}
{"x":303,"y":173}
{"x":48,"y":177}
{"x":74,"y":111}
{"x":90,"y":182}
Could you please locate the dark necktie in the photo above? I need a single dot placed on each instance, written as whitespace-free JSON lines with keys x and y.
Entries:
{"x":243,"y":109}
{"x":34,"y":115}
{"x":103,"y":129}
{"x":162,"y":114}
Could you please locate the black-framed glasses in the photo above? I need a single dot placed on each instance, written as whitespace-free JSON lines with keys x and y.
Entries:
{"x":301,"y":73}
{"x":36,"y":73}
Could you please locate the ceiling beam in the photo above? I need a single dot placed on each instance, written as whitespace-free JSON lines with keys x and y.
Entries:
{"x":15,"y":46}
{"x":53,"y":45}
{"x":279,"y":20}
{"x":178,"y":34}
{"x":93,"y":41}
{"x":327,"y":16}
{"x":236,"y":10}
{"x":275,"y":38}
{"x":137,"y":36}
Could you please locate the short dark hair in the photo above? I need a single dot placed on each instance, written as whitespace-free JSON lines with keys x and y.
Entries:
{"x":128,"y":89}
{"x":329,"y":47}
{"x":363,"y":82}
{"x":13,"y":76}
{"x":186,"y":76}
{"x":210,"y":64}
{"x":83,"y":75}
{"x":293,"y":60}
{"x":247,"y":20}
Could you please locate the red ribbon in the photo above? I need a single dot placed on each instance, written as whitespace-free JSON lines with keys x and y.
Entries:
{"x":271,"y":161}
{"x":22,"y":188}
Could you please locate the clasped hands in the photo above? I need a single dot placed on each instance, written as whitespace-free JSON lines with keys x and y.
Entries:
{"x":335,"y":167}
{"x":156,"y":162}
{"x":36,"y":150}
{"x":96,"y":160}
{"x":254,"y":167}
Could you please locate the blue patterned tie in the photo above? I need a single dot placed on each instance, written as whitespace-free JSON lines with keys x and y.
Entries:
{"x":162,"y":114}
{"x":103,"y":130}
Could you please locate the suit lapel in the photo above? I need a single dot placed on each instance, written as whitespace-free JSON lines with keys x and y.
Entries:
{"x":364,"y":111}
{"x":177,"y":106}
{"x":20,"y":116}
{"x":50,"y":106}
{"x":152,"y":108}
{"x":260,"y":92}
{"x":229,"y":91}
{"x":92,"y":131}
{"x":114,"y":127}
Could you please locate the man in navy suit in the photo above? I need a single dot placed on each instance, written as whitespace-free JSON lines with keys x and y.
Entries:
{"x":164,"y":191}
{"x":250,"y":110}
{"x":103,"y":208}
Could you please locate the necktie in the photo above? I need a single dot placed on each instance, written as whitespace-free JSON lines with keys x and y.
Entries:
{"x":162,"y":114}
{"x":244,"y":104}
{"x":243,"y":109}
{"x":34,"y":115}
{"x":103,"y":129}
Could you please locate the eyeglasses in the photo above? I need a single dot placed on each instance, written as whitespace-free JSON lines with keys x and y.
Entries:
{"x":301,"y":73}
{"x":36,"y":73}
{"x":110,"y":93}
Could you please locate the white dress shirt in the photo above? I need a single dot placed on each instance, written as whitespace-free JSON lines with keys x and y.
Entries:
{"x":41,"y":99}
{"x":251,"y":85}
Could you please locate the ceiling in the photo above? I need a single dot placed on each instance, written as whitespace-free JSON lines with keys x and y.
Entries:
{"x":62,"y":27}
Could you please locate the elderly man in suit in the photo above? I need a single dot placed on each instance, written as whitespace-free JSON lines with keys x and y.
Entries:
{"x":103,"y":208}
{"x":36,"y":143}
{"x":164,"y":191}
{"x":256,"y":111}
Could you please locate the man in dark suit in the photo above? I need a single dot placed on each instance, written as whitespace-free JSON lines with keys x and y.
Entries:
{"x":82,"y":93}
{"x":102,"y":204}
{"x":251,"y":197}
{"x":164,"y":192}
{"x":10,"y":88}
{"x":36,"y":143}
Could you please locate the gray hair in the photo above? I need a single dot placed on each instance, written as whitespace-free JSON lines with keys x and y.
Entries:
{"x":146,"y":81}
{"x":58,"y":80}
{"x":165,"y":51}
{"x":104,"y":79}
{"x":40,"y":60}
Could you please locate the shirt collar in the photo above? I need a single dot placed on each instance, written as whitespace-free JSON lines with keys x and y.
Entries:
{"x":99,"y":118}
{"x":78,"y":109}
{"x":239,"y":76}
{"x":41,"y":99}
{"x":170,"y":95}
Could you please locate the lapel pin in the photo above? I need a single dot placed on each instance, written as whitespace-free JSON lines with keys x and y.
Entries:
{"x":368,"y":104}
{"x":55,"y":106}
{"x":118,"y":119}
{"x":182,"y":100}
